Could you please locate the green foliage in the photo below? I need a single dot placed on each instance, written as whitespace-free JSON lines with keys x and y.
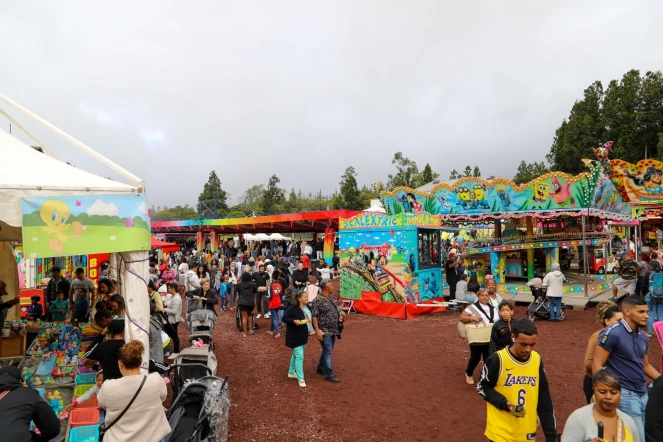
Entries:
{"x":454,"y":175}
{"x":407,"y":175}
{"x":528,"y":171}
{"x":468,"y":171}
{"x":213,"y":192}
{"x":427,"y":175}
{"x":173,"y":213}
{"x":396,"y":208}
{"x":251,"y":200}
{"x":367,"y":194}
{"x":476,"y":172}
{"x":629,"y":113}
{"x":350,"y":197}
{"x":273,"y":195}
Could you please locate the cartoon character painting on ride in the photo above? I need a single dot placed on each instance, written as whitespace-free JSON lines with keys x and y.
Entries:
{"x":552,"y":191}
{"x":397,"y":256}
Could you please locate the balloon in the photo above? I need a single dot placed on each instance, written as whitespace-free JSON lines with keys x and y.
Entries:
{"x":460,"y":239}
{"x":445,"y":235}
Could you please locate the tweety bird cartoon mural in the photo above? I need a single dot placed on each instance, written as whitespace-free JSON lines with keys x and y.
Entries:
{"x":55,"y":214}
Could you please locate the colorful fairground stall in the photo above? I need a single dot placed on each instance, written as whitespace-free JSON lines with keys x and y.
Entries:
{"x":535,"y":224}
{"x":54,"y":210}
{"x":390,"y":264}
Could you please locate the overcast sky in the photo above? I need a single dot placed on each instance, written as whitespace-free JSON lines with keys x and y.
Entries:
{"x":303,"y":89}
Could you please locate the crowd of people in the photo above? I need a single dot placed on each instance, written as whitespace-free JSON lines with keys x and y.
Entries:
{"x":269,"y":280}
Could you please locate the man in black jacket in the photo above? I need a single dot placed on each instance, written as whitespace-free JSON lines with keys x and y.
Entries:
{"x":19,"y":405}
{"x":57,"y":282}
{"x":261,"y":278}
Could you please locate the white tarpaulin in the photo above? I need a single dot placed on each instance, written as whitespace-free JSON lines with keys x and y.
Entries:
{"x":28,"y":172}
{"x":278,"y":237}
{"x":132,"y":270}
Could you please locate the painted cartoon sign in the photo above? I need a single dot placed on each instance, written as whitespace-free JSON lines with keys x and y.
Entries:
{"x":84,"y":224}
{"x":383,"y":220}
{"x":386,"y":260}
{"x":471,"y":195}
{"x":639,"y":183}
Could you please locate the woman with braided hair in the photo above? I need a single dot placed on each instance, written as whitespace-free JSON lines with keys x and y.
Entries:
{"x":607,"y":313}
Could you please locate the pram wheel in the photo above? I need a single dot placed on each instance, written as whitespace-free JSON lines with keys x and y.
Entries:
{"x":531,"y":316}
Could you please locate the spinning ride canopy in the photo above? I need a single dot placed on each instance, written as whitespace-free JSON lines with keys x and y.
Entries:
{"x":28,"y":176}
{"x":553,"y":194}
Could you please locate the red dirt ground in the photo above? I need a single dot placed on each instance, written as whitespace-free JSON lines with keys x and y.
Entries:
{"x":400,"y":380}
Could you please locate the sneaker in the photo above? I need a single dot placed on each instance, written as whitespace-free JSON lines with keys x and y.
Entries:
{"x":268,"y":315}
{"x":334,"y":379}
{"x":302,"y":384}
{"x":292,"y":375}
{"x":258,"y":316}
{"x":319,"y":371}
{"x":469,"y":380}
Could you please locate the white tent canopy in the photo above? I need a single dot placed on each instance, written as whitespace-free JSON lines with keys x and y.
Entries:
{"x":376,"y":209}
{"x":26,"y":172}
{"x":265,"y":237}
{"x":278,"y":237}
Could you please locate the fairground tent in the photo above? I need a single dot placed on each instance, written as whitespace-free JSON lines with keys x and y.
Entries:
{"x":28,"y":175}
{"x":167,"y":247}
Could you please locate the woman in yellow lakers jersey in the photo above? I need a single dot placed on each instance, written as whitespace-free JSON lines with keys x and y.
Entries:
{"x":514,"y":384}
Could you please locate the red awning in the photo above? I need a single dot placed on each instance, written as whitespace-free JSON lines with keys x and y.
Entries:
{"x":166,"y":246}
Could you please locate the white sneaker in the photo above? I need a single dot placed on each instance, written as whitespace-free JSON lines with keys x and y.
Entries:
{"x":268,"y":315}
{"x":292,"y":375}
{"x":259,"y":316}
{"x":302,"y":384}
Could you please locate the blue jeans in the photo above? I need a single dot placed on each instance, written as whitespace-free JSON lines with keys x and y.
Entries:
{"x":274,"y":316}
{"x":655,"y":311}
{"x":634,"y":405}
{"x":281,"y":317}
{"x":555,"y":307}
{"x":325,"y":364}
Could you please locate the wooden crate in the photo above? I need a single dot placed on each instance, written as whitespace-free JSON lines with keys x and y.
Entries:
{"x":12,"y":346}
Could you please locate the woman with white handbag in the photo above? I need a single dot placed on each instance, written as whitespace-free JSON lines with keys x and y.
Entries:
{"x":479,"y":318}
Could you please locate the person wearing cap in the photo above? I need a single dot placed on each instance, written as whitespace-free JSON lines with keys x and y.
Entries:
{"x":19,"y":406}
{"x":56,"y":283}
{"x":452,"y":276}
{"x":326,"y":317}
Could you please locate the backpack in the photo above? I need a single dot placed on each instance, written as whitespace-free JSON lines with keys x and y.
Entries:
{"x":628,"y":269}
{"x":656,"y":284}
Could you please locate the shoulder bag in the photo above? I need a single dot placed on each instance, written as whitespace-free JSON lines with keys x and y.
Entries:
{"x":477,"y":334}
{"x":103,"y":428}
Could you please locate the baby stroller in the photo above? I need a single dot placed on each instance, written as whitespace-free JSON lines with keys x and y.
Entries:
{"x":238,"y":321}
{"x":200,"y":321}
{"x":540,"y":307}
{"x":200,"y":412}
{"x":192,"y":363}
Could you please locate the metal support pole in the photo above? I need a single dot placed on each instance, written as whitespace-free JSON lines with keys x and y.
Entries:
{"x":628,"y":239}
{"x":584,"y":254}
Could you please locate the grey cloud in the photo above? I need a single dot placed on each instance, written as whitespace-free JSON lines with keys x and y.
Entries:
{"x":303,"y":89}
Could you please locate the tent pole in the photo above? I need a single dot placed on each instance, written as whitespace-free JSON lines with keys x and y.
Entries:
{"x":28,"y":133}
{"x":584,"y":253}
{"x":62,"y":134}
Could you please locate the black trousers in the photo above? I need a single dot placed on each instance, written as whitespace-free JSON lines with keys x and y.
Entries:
{"x":173,"y":333}
{"x":452,"y":290}
{"x":476,"y":353}
{"x":587,"y":388}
